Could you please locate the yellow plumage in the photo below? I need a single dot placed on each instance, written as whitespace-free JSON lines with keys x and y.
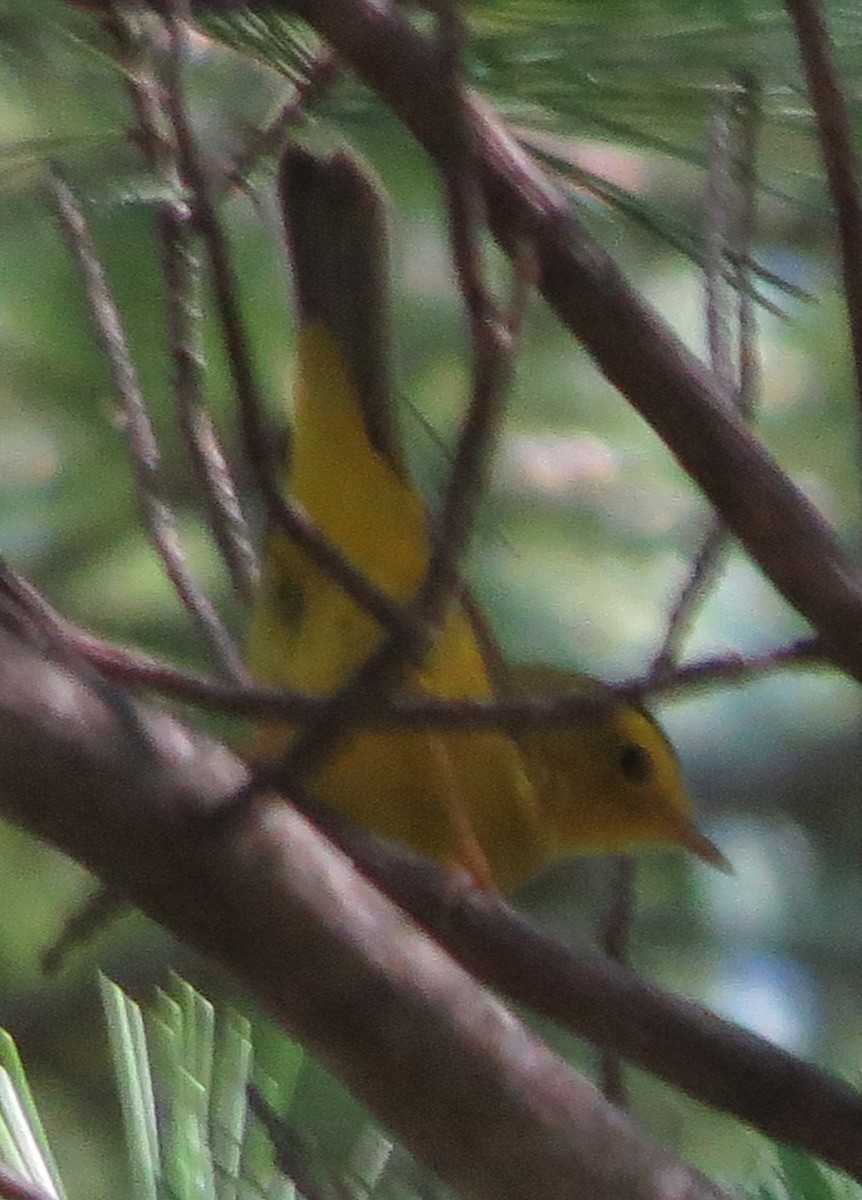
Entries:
{"x":502,"y":807}
{"x":307,"y":633}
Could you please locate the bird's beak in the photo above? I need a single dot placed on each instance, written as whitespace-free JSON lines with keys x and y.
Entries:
{"x":691,"y":839}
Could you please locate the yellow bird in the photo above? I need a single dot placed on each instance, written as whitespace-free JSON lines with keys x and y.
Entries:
{"x":499,"y":806}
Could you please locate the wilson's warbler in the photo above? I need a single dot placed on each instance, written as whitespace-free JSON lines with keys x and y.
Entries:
{"x":501,"y":807}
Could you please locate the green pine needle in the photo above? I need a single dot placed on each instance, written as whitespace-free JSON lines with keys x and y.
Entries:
{"x":184,"y":1074}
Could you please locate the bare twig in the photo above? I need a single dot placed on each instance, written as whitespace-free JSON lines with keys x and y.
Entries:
{"x":524,"y":281}
{"x":98,"y":911}
{"x":615,"y":931}
{"x":152,"y":132}
{"x":290,"y":1150}
{"x":511,"y":714}
{"x":749,"y":125}
{"x":381,"y":673}
{"x":707,"y":563}
{"x":490,"y":336}
{"x":158,"y":144}
{"x":295,"y":525}
{"x":702,"y":572}
{"x":182,"y":278}
{"x":717,"y":210}
{"x":730,"y":227}
{"x":144,"y":453}
{"x":155,"y":138}
{"x":267,"y":143}
{"x":839,"y":156}
{"x":138,"y":670}
{"x":212,"y":470}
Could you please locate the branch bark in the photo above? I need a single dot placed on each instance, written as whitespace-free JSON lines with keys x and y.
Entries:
{"x":445,"y":1066}
{"x":682,"y":1043}
{"x":131,"y":794}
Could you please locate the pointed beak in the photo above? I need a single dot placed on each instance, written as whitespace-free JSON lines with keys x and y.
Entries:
{"x":693,"y":840}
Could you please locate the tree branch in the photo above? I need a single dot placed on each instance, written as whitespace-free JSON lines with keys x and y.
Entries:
{"x":464,"y":1085}
{"x":136,"y":797}
{"x":137,"y":670}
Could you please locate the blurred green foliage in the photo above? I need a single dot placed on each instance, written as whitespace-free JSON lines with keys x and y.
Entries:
{"x":588,"y":527}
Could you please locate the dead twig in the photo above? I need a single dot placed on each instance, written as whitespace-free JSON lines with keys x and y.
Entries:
{"x":158,"y":518}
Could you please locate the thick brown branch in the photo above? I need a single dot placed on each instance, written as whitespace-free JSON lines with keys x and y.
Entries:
{"x":445,"y":1066}
{"x":682,"y":1043}
{"x":126,"y":791}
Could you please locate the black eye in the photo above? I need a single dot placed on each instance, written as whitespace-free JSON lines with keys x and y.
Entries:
{"x":635,"y":763}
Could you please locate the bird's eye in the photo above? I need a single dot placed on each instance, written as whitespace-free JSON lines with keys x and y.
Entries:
{"x":635,"y":763}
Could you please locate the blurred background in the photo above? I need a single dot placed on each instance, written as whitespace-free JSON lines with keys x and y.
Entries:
{"x":587,"y":533}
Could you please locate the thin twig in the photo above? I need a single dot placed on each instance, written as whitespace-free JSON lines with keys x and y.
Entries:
{"x":142,"y":671}
{"x":718,"y":200}
{"x":749,"y":124}
{"x":380,"y":675}
{"x":158,"y":144}
{"x":717,"y":210}
{"x":291,"y":1152}
{"x":728,"y":237}
{"x":144,"y":453}
{"x":284,"y":516}
{"x":702,"y":572}
{"x":730,"y":224}
{"x":216,"y":483}
{"x":524,"y":279}
{"x":739,"y":382}
{"x":707,"y":562}
{"x":839,"y":157}
{"x":97,"y":912}
{"x":511,"y":714}
{"x":616,"y":928}
{"x":490,"y":337}
{"x":268,"y":142}
{"x":152,"y":132}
